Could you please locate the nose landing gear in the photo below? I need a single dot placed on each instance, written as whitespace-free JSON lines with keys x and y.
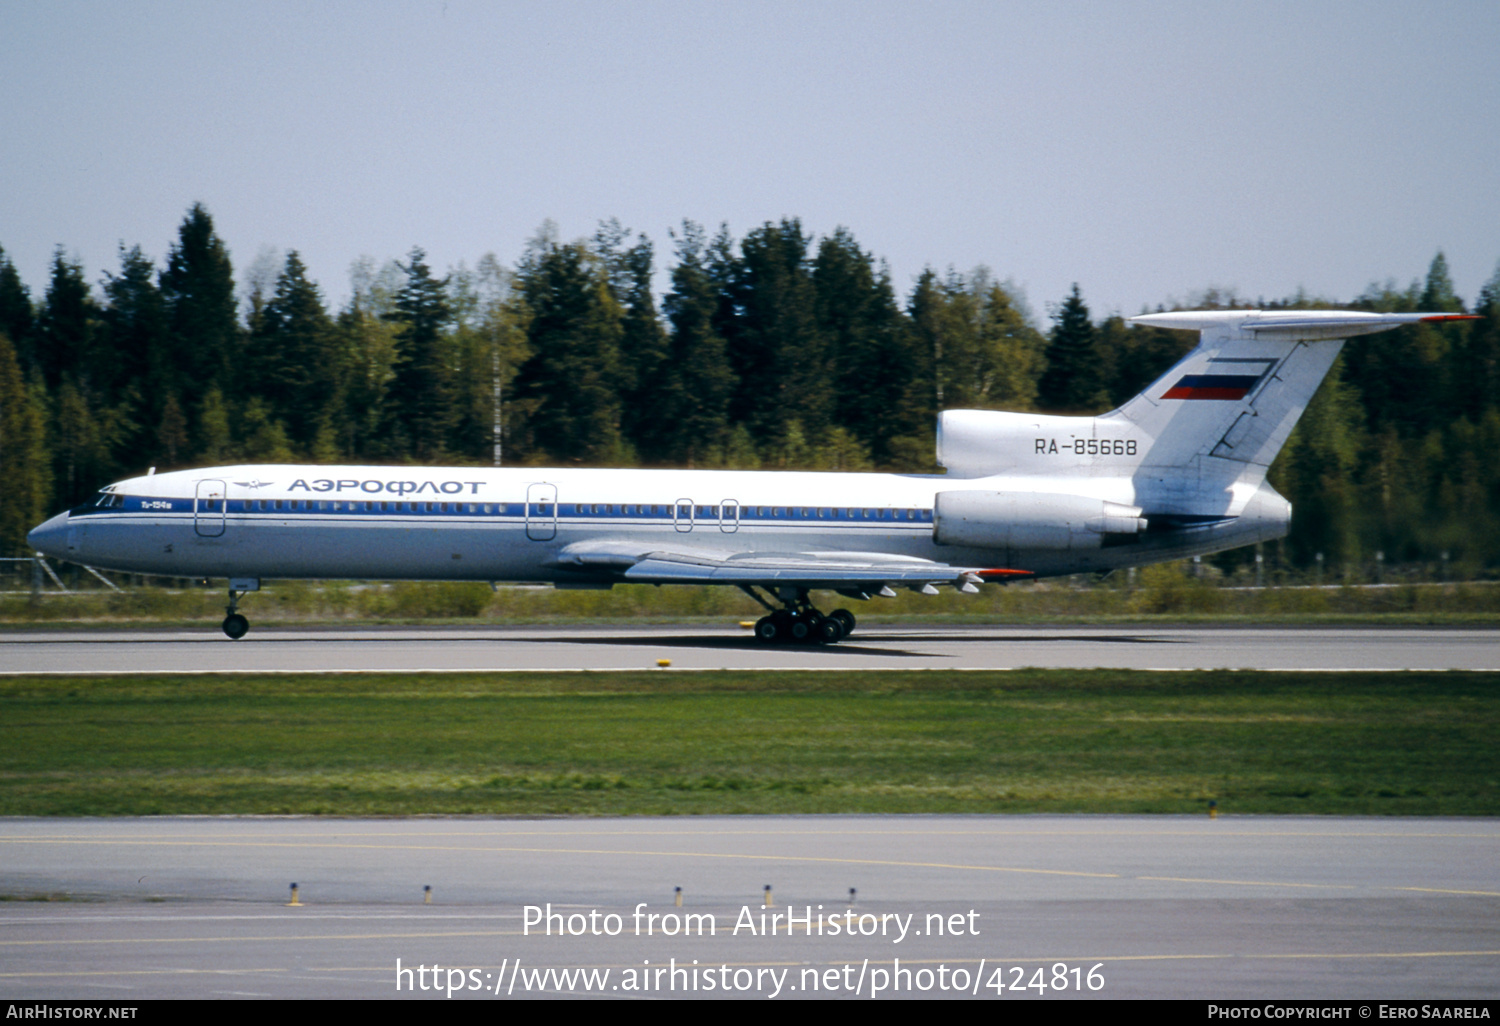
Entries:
{"x":799,"y":623}
{"x":235,"y":625}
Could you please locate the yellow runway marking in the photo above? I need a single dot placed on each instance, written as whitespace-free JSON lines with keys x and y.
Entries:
{"x":621,"y":851}
{"x":1245,"y":883}
{"x":1445,"y":890}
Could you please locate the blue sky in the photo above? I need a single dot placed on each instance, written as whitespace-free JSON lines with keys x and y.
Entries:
{"x":1144,"y":150}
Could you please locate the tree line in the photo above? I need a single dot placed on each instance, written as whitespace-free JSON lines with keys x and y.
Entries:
{"x":780,"y":350}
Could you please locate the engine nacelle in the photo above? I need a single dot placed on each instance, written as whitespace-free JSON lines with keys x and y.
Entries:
{"x":1031,"y":520}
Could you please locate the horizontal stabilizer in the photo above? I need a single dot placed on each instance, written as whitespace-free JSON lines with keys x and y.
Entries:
{"x":1289,"y":325}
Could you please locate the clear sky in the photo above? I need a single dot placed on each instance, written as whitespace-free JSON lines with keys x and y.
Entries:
{"x":1144,"y":150}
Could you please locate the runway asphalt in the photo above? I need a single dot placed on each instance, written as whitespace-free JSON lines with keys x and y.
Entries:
{"x":874,"y":647}
{"x":1251,"y":908}
{"x":1248,"y":908}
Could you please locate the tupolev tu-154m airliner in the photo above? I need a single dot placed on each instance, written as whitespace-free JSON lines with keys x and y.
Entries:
{"x":1178,"y":471}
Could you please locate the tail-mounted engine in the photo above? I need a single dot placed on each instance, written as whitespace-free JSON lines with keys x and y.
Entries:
{"x":1033,"y":520}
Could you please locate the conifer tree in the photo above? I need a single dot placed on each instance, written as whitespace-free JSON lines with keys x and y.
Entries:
{"x":133,"y":375}
{"x":690,"y":418}
{"x":571,"y":381}
{"x":1071,"y":381}
{"x":643,"y":340}
{"x":778,"y":355}
{"x":17,"y":317}
{"x":24,"y":463}
{"x":421,"y":390}
{"x":198,"y":289}
{"x":66,"y":327}
{"x":297,"y":367}
{"x":1437,"y":294}
{"x":869,"y":347}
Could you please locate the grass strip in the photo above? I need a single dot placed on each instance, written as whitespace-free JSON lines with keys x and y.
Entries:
{"x":1165,"y":595}
{"x":1099,"y":741}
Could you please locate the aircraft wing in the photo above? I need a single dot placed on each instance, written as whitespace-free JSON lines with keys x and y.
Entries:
{"x":847,"y":571}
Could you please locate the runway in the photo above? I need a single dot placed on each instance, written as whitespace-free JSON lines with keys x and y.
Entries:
{"x":874,"y":647}
{"x":1265,"y":908}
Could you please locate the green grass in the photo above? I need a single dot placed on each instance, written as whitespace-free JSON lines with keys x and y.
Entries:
{"x":1163,"y":595}
{"x":681,"y":743}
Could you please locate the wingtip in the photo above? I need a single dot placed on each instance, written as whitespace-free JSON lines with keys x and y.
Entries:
{"x":1001,"y":573}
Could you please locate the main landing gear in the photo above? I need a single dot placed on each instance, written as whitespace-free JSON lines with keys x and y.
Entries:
{"x":798,"y":622}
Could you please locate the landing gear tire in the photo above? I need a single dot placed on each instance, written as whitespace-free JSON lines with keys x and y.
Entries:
{"x":799,"y":623}
{"x":236,"y":626}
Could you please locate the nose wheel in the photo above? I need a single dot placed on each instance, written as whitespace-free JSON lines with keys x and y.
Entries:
{"x":235,"y":625}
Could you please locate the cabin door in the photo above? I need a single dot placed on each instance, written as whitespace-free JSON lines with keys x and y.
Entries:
{"x":209,"y":504}
{"x":541,"y":511}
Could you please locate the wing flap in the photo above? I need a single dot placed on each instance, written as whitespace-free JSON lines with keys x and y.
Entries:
{"x":625,"y":561}
{"x":798,"y":573}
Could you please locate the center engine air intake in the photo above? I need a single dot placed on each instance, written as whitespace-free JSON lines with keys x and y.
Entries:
{"x":1032,"y":520}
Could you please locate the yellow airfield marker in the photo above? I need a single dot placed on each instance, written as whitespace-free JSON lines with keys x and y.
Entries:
{"x":662,"y":664}
{"x":294,"y":903}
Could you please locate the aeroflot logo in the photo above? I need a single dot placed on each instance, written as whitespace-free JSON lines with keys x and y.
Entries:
{"x":324,"y":484}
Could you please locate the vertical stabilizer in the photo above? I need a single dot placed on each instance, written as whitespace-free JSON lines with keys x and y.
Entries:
{"x":1211,"y":425}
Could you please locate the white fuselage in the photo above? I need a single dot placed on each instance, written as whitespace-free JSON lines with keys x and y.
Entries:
{"x":465,"y":523}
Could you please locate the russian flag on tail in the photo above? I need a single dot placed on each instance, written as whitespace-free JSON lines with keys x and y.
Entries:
{"x":1212,"y":386}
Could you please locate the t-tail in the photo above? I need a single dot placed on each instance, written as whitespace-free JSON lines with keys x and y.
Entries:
{"x":1182,"y":466}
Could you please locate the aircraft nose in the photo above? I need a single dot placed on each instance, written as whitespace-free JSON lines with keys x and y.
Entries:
{"x":51,"y":538}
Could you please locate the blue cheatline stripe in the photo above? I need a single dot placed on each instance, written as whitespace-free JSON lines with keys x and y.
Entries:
{"x":134,"y":506}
